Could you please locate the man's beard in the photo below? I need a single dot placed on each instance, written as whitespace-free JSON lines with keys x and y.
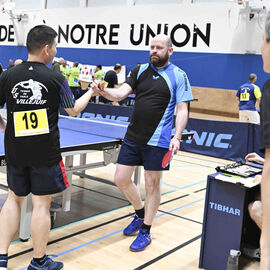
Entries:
{"x":159,"y":62}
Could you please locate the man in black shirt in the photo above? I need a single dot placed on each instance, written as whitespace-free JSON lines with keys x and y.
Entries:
{"x":265,"y":146}
{"x":33,"y":94}
{"x":112,"y":80}
{"x":160,"y":88}
{"x":111,"y":76}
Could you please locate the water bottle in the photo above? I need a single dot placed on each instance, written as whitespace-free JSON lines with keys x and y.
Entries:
{"x":232,"y":263}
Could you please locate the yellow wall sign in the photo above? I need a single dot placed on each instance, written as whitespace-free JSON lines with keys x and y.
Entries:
{"x":27,"y":123}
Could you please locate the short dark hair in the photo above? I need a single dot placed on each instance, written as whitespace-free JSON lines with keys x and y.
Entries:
{"x":252,"y":77}
{"x":40,"y":36}
{"x":117,"y":66}
{"x":99,"y":66}
{"x":75,"y":64}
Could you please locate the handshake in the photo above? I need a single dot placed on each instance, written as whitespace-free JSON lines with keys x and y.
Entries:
{"x":98,"y":87}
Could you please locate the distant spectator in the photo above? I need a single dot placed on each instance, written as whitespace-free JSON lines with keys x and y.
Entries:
{"x":247,"y":95}
{"x":17,"y":62}
{"x":73,"y":80}
{"x":112,"y":80}
{"x":111,"y":76}
{"x":99,"y":72}
{"x":56,"y":66}
{"x":11,"y":64}
{"x":63,"y":67}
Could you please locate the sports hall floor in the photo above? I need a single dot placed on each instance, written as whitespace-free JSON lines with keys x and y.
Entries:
{"x":90,"y":235}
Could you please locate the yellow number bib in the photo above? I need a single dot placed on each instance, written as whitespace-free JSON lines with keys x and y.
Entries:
{"x":244,"y":97}
{"x":27,"y":123}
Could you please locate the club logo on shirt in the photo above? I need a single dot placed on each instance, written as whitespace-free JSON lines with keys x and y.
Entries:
{"x":29,"y":92}
{"x":155,"y":77}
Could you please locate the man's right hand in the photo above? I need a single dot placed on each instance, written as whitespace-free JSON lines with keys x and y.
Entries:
{"x":101,"y":85}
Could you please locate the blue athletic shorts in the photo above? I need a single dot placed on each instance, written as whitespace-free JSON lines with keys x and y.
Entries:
{"x":37,"y":180}
{"x":150,"y":157}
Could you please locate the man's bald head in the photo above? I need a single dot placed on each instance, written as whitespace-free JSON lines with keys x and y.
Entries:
{"x":61,"y":61}
{"x":160,"y":50}
{"x":163,"y":37}
{"x":17,"y":62}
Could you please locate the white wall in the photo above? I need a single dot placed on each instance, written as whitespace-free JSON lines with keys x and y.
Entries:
{"x":27,"y":4}
{"x":52,"y":4}
{"x":63,"y":3}
{"x":104,"y":3}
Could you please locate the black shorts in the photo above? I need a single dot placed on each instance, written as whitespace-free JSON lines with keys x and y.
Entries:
{"x":133,"y":154}
{"x":43,"y":180}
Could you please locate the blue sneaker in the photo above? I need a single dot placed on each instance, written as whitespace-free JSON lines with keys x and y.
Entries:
{"x":142,"y":241}
{"x":3,"y":262}
{"x":49,"y":264}
{"x":134,"y":226}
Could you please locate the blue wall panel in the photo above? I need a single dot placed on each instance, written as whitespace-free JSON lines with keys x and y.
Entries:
{"x":213,"y":70}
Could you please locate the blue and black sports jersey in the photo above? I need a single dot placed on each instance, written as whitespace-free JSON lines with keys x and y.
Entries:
{"x":248,"y":94}
{"x":157,"y":93}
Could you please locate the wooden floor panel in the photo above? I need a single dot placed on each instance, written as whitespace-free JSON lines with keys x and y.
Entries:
{"x":97,"y":242}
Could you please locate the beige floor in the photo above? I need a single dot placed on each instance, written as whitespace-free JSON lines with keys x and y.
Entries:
{"x":105,"y":247}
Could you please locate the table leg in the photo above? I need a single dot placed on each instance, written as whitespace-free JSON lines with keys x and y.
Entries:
{"x":25,"y":220}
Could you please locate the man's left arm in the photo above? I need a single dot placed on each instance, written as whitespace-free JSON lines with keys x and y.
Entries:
{"x":180,"y":124}
{"x":258,"y":94}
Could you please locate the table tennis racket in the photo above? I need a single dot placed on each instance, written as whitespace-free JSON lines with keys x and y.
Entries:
{"x":167,"y":158}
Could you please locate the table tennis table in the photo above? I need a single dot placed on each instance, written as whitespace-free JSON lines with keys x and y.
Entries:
{"x":79,"y":136}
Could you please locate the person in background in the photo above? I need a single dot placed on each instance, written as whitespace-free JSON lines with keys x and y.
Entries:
{"x":17,"y":62}
{"x":63,"y":67}
{"x":247,"y":95}
{"x":56,"y":66}
{"x":11,"y":64}
{"x":73,"y":80}
{"x":111,"y":76}
{"x":99,"y":73}
{"x":112,"y":80}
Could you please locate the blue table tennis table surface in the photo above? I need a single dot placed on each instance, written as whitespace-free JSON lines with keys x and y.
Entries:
{"x":90,"y":134}
{"x":86,"y":134}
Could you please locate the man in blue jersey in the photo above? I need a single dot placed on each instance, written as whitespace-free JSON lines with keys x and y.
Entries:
{"x":33,"y":94}
{"x":247,"y":95}
{"x":160,"y":87}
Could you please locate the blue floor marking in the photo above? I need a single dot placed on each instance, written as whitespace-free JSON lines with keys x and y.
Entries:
{"x":82,"y":220}
{"x":116,"y":232}
{"x":179,"y":155}
{"x":183,"y":206}
{"x":191,"y":185}
{"x":195,"y":164}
